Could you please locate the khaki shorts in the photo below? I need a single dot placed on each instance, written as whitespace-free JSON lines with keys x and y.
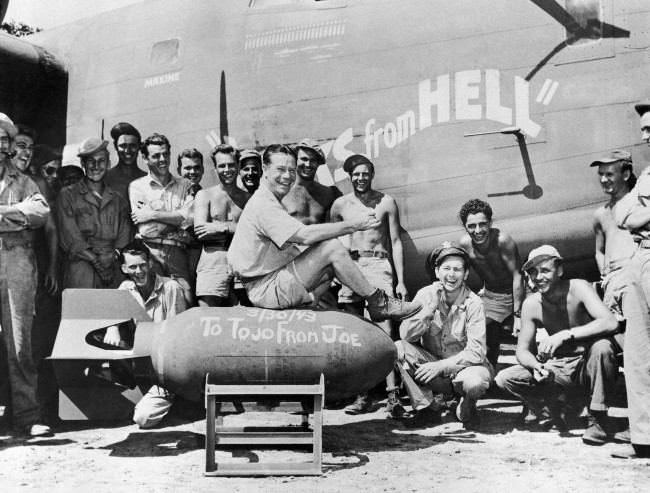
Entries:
{"x":213,"y":274}
{"x":498,"y":306}
{"x":379,"y":273}
{"x":282,"y":288}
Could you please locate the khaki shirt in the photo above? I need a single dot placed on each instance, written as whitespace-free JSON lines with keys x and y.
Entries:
{"x":456,"y":332}
{"x":259,"y":245}
{"x":86,"y":221}
{"x":29,"y":208}
{"x":165,"y":300}
{"x":148,"y":191}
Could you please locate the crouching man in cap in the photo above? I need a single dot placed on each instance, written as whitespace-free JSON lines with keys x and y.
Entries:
{"x":443,"y":347}
{"x":578,"y":352}
{"x":284,"y":263}
{"x":94,"y":221}
{"x":22,"y":209}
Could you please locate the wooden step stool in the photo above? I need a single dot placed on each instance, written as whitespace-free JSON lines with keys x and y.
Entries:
{"x":216,"y":434}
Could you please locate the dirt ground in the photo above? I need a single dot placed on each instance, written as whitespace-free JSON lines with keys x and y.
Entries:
{"x":366,"y":452}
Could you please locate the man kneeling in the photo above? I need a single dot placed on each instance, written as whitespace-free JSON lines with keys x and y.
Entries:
{"x":443,"y":347}
{"x":284,"y":263}
{"x":578,"y":351}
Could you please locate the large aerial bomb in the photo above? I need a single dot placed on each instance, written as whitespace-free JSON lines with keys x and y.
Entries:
{"x":233,"y":345}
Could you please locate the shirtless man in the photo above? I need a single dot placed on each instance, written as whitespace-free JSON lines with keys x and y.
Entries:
{"x":309,"y":201}
{"x":372,"y":249}
{"x":216,"y":212}
{"x":578,"y":352}
{"x":494,"y":256}
{"x":614,"y":246}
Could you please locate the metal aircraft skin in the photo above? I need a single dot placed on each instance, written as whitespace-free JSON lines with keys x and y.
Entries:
{"x":502,"y":100}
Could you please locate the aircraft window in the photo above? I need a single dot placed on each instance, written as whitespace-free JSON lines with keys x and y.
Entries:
{"x":165,"y":52}
{"x":587,"y":14}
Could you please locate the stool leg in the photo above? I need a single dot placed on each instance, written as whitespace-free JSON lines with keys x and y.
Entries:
{"x":209,"y":434}
{"x":318,"y":432}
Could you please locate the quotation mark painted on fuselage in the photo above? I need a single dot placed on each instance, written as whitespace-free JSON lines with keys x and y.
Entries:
{"x":547,"y":92}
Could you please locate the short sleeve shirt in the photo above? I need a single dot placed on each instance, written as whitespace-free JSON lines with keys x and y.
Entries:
{"x":260,"y":244}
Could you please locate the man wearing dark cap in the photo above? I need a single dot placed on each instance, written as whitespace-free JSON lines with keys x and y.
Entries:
{"x":633,"y":213}
{"x":268,"y":249}
{"x":614,"y":246}
{"x":250,"y":169}
{"x":126,"y":140}
{"x":442,"y":348}
{"x":377,"y":252}
{"x":22,"y":209}
{"x":579,"y":353}
{"x":309,"y":201}
{"x":93,"y":221}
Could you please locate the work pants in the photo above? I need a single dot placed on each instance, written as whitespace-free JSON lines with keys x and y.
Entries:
{"x":17,"y":290}
{"x":471,"y":381}
{"x":594,"y":373}
{"x":153,"y":407}
{"x":636,"y":306}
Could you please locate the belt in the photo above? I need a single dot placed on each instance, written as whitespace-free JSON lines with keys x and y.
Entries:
{"x":356,"y":254}
{"x":164,"y":241}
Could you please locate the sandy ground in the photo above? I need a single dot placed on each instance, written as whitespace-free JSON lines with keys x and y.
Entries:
{"x":365,"y":452}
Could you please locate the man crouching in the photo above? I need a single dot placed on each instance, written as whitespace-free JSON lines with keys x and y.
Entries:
{"x":443,"y":346}
{"x":578,"y":351}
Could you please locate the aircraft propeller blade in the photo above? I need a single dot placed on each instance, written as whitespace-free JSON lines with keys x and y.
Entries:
{"x":223,"y":109}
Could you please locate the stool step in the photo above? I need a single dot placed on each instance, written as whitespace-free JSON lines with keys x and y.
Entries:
{"x":230,"y":436}
{"x":266,"y":469}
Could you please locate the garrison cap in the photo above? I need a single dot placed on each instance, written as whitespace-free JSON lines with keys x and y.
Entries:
{"x":8,"y":125}
{"x":356,"y":160}
{"x":539,"y":255}
{"x":444,"y":250}
{"x":613,"y":157}
{"x":313,"y":146}
{"x":91,"y":145}
{"x":124,"y":128}
{"x":250,"y":153}
{"x":642,"y":107}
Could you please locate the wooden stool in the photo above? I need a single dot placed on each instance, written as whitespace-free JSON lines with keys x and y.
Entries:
{"x":216,"y":434}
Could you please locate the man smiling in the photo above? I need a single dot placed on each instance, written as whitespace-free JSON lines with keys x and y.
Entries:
{"x":126,"y":140}
{"x":268,"y":249}
{"x":578,"y":352}
{"x":443,"y":346}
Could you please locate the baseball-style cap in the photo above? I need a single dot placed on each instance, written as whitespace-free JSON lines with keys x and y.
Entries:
{"x":444,"y":250}
{"x":355,"y":160}
{"x":312,"y":145}
{"x":8,"y":125}
{"x":539,"y":255}
{"x":91,"y":146}
{"x":642,"y":107}
{"x":248,"y":154}
{"x":613,"y":157}
{"x":124,"y":128}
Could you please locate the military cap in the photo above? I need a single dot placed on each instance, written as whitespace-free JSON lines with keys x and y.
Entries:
{"x":539,"y":255}
{"x":613,"y":157}
{"x":248,"y":154}
{"x":356,"y":160}
{"x":8,"y":125}
{"x":444,"y":250}
{"x":642,"y":107}
{"x":313,"y":146}
{"x":91,"y":145}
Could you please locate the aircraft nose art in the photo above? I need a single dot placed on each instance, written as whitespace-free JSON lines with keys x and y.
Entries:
{"x":241,"y":345}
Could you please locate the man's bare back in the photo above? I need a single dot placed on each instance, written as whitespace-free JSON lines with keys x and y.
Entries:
{"x":310,"y":203}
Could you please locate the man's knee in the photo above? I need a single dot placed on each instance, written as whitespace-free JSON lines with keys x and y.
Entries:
{"x":153,"y":407}
{"x":602,"y":349}
{"x":508,"y":377}
{"x":474,"y":383}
